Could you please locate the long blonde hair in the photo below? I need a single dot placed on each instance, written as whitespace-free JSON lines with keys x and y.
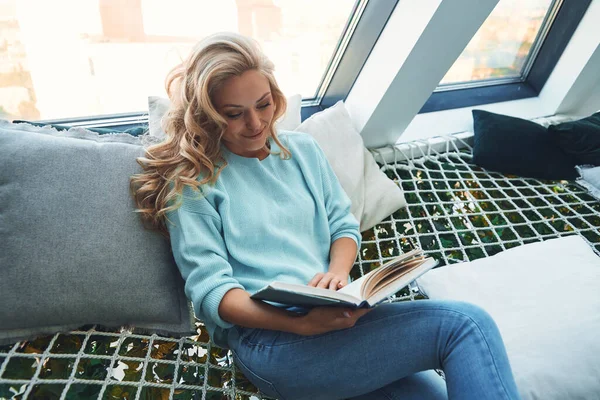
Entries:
{"x":194,"y":128}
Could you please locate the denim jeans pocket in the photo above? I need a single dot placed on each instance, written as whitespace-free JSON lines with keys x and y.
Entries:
{"x":263,"y":385}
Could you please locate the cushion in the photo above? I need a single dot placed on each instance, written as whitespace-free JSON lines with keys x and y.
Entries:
{"x":292,"y":117}
{"x":158,"y":106}
{"x":518,"y":146}
{"x":72,"y":250}
{"x":590,"y":179}
{"x":544,"y":299}
{"x":554,"y":119}
{"x":580,"y":139}
{"x":137,"y":130}
{"x":374,"y":196}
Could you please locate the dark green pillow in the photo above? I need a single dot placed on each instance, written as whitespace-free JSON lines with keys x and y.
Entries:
{"x":580,"y":139}
{"x":518,"y":146}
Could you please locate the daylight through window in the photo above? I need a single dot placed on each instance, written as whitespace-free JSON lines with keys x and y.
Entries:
{"x":500,"y":49}
{"x":73,"y":58}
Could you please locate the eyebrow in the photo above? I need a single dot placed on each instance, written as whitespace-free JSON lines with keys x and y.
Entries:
{"x":258,"y":101}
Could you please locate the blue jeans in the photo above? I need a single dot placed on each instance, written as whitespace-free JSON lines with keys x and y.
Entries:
{"x":389,"y":354}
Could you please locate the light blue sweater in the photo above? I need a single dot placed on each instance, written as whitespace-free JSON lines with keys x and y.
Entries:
{"x":263,"y":221}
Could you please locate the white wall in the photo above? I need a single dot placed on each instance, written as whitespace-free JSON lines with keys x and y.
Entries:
{"x":420,"y":42}
{"x":583,"y":98}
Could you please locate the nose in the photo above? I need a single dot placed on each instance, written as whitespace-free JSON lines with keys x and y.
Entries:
{"x":253,"y":121}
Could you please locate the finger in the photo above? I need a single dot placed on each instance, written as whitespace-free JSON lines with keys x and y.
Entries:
{"x":341,"y":284}
{"x":324,"y":282}
{"x":334,"y":284}
{"x":313,"y":282}
{"x":348,"y":319}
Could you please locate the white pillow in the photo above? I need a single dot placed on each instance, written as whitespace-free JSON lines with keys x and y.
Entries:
{"x":158,"y":106}
{"x":374,"y":196}
{"x":590,"y":179}
{"x":292,"y":118}
{"x":544,"y":299}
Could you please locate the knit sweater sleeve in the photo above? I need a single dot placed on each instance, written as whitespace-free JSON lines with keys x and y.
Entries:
{"x":337,"y":203}
{"x":200,"y":253}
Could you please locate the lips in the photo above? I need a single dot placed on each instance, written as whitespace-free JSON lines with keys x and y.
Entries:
{"x":255,"y":136}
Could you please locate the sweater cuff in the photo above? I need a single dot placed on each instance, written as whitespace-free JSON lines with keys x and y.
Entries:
{"x":349,"y":234}
{"x":210,"y":304}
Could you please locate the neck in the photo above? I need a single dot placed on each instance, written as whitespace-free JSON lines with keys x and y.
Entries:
{"x":261,"y":154}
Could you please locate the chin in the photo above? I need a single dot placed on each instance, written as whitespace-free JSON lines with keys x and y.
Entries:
{"x":261,"y":145}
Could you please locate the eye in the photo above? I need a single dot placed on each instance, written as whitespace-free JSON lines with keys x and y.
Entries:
{"x":233,"y":116}
{"x":264,"y":106}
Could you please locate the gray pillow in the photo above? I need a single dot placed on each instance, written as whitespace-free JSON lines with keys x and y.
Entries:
{"x":72,"y":250}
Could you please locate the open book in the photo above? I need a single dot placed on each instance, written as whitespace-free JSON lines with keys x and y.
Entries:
{"x":367,"y":291}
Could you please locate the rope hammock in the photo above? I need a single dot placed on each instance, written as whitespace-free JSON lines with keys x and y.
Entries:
{"x":456,"y":212}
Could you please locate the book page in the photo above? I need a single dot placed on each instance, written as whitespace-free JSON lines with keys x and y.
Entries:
{"x":356,"y":288}
{"x":401,"y":281}
{"x":376,"y":286}
{"x":381,"y":280}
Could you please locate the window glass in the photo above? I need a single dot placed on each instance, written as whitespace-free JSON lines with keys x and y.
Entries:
{"x":79,"y":58}
{"x":502,"y":44}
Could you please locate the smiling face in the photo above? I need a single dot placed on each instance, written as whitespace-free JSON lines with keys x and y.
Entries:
{"x":246,"y":103}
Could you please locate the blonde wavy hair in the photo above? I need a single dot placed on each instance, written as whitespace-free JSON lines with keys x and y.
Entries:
{"x":193,"y":126}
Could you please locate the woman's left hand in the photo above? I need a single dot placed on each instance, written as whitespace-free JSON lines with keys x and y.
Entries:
{"x":329,"y":280}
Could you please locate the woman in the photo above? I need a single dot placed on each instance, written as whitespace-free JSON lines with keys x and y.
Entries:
{"x":245,"y":205}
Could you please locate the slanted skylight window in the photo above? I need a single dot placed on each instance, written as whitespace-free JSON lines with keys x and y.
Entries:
{"x":504,"y":48}
{"x":115,"y":53}
{"x":511,"y":56}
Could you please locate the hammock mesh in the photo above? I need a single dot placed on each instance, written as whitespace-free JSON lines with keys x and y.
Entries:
{"x":456,"y":212}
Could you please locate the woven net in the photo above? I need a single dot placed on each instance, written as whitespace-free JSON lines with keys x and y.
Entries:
{"x":456,"y":212}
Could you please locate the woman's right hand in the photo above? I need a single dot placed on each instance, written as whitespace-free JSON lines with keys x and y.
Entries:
{"x":325,"y":319}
